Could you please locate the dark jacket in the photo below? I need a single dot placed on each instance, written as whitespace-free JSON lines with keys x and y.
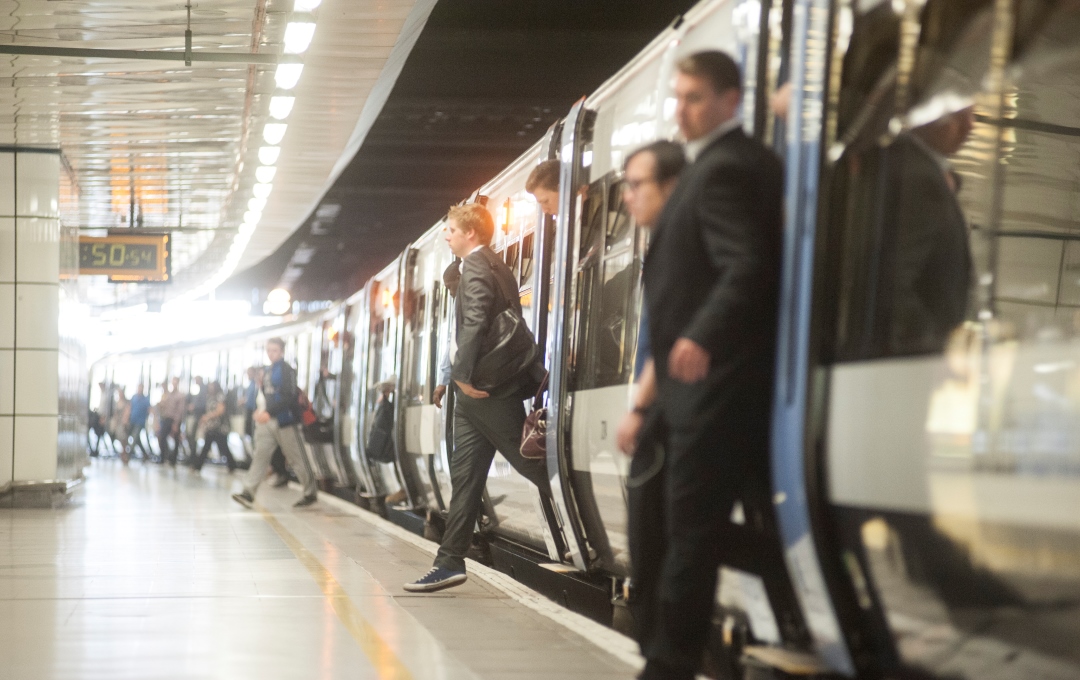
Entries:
{"x":712,"y":275}
{"x":479,"y":300}
{"x":279,"y":389}
{"x":926,"y":267}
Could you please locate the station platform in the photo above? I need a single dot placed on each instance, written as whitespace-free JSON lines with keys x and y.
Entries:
{"x":151,"y":572}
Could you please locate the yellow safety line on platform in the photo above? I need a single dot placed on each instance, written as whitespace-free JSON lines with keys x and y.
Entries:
{"x":382,"y":656}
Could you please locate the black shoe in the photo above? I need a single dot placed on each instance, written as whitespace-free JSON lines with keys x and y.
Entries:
{"x":280,"y":482}
{"x":306,"y":501}
{"x":245,"y":499}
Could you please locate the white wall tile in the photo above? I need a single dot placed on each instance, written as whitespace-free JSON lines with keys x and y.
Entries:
{"x":37,"y":185}
{"x":7,"y":432}
{"x":37,"y":250}
{"x":38,"y":313}
{"x":7,"y":315}
{"x":7,"y":246}
{"x":7,"y":381}
{"x":35,"y":448}
{"x":37,"y":375}
{"x":7,"y":184}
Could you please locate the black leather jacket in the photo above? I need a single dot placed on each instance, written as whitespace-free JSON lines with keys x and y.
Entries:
{"x":479,"y":300}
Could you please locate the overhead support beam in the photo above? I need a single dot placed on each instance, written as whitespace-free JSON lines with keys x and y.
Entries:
{"x":152,"y":55}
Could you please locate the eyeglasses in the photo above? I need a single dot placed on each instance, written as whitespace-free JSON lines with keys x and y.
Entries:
{"x":633,"y":185}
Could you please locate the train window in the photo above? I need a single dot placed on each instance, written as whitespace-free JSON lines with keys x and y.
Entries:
{"x":607,"y":279}
{"x":512,"y":252}
{"x":419,"y":334}
{"x":526,"y":259}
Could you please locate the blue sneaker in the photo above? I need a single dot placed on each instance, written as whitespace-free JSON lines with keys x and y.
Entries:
{"x":436,"y":579}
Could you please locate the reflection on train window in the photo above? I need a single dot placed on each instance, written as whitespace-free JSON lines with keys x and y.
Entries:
{"x":512,"y":252}
{"x":526,"y":259}
{"x":607,"y":279}
{"x":419,"y":333}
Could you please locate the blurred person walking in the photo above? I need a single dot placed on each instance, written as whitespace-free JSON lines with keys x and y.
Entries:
{"x":650,"y":176}
{"x":140,"y":411}
{"x":711,"y":288}
{"x":171,"y":411}
{"x":277,"y":425}
{"x":215,"y":426}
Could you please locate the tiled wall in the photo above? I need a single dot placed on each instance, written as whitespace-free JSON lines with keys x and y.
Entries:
{"x":34,"y":411}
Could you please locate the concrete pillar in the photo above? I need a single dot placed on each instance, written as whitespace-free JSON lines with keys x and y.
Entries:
{"x":37,"y":464}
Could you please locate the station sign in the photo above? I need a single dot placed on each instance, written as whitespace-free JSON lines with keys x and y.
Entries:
{"x":126,"y":258}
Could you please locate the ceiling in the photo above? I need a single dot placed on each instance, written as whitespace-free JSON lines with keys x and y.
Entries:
{"x":157,"y":144}
{"x":484,"y":81}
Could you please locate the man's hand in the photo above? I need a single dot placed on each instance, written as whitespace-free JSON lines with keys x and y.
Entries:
{"x":471,"y":391}
{"x":626,"y":436}
{"x":688,"y":361}
{"x":261,"y":417}
{"x":438,"y":395}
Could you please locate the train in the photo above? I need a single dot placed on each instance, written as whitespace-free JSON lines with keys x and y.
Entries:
{"x":926,"y":490}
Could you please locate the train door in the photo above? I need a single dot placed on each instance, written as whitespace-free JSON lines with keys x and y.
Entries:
{"x":419,"y":428}
{"x":382,"y":325}
{"x":944,"y":454}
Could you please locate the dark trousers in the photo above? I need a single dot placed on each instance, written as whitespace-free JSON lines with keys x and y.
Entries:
{"x":221,"y":440}
{"x":137,"y":431}
{"x":165,"y":428}
{"x":481,"y":427}
{"x":278,"y":464}
{"x":645,"y":529}
{"x":700,"y":493}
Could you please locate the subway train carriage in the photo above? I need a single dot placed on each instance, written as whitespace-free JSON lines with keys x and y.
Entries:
{"x":925,"y":454}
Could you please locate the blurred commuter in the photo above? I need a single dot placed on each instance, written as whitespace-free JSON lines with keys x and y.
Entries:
{"x":171,"y":411}
{"x":215,"y":426}
{"x":118,"y":424}
{"x":277,"y":425}
{"x":140,"y":411}
{"x":711,"y":287}
{"x":543,"y":184}
{"x":483,"y":422}
{"x":196,"y":409}
{"x":926,"y":261}
{"x":251,"y":395}
{"x":650,"y":176}
{"x":99,"y":418}
{"x":380,"y":443}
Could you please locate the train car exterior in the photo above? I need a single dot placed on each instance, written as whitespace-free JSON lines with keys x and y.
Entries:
{"x":924,"y":485}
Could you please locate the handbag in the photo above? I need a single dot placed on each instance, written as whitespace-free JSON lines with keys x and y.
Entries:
{"x":534,"y":432}
{"x":508,"y":350}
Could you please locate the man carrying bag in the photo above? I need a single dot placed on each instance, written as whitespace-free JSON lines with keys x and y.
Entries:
{"x":493,"y":369}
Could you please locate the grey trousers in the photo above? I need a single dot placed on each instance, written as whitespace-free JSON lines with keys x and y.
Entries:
{"x":269,"y":436}
{"x":481,"y":427}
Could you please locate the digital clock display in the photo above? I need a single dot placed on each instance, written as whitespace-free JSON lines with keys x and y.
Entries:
{"x":124,"y":257}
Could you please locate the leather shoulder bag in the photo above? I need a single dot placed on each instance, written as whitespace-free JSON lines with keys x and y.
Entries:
{"x":509,"y":349}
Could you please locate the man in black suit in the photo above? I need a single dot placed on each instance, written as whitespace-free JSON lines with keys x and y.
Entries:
{"x":483,"y":423}
{"x":711,"y":286}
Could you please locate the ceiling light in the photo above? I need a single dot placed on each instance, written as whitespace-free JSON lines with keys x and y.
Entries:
{"x":252,"y":216}
{"x":273,"y":132}
{"x":262,"y":190}
{"x":305,"y":5}
{"x":257,"y":204}
{"x":268,"y":155}
{"x":280,"y":107}
{"x":298,"y":35}
{"x":247,"y":228}
{"x":265,"y":173}
{"x":287,"y":75}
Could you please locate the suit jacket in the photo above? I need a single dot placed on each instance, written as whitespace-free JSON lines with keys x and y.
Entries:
{"x":926,"y":267}
{"x":480,"y":299}
{"x":712,"y":275}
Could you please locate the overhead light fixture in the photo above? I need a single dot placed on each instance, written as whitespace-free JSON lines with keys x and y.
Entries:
{"x":247,"y":228}
{"x":305,"y":5}
{"x":252,"y":216}
{"x":287,"y":75}
{"x":265,"y":173}
{"x":298,"y":35}
{"x":268,"y":155}
{"x":262,"y":190}
{"x":281,"y":107}
{"x":274,"y":132}
{"x":278,"y":301}
{"x":257,"y":204}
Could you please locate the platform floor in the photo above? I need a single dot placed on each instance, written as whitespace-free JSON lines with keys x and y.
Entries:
{"x":156,"y":573}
